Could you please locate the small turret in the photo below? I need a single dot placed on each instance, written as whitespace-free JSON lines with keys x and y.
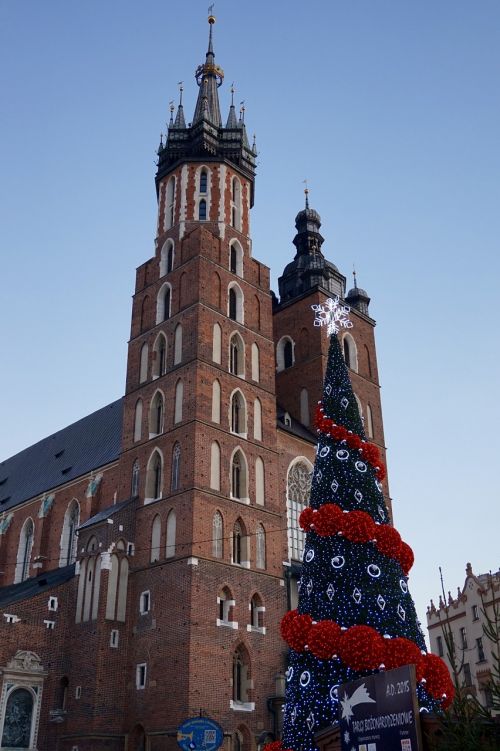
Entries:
{"x":358,"y":298}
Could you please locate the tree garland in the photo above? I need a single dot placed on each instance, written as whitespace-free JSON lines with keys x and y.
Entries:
{"x":369,"y":451}
{"x":363,"y":648}
{"x":357,"y":526}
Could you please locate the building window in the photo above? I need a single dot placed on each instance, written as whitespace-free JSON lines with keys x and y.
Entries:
{"x":350,"y":352}
{"x":260,"y":482}
{"x":463,"y":638}
{"x":24,"y":551}
{"x":236,"y":203}
{"x":203,"y":181}
{"x":237,"y":543}
{"x":144,"y":603}
{"x":68,"y":536}
{"x":114,"y":638}
{"x":154,"y":477}
{"x":369,"y":421}
{"x":167,"y":257}
{"x":239,"y":480}
{"x":178,"y":344}
{"x":176,"y":467}
{"x":171,"y":533}
{"x":241,"y":677}
{"x":257,"y":420}
{"x":225,"y":604}
{"x":140,"y":675}
{"x":217,"y":535}
{"x":18,"y":722}
{"x":159,"y":356}
{"x":480,"y":650}
{"x":467,"y":674}
{"x":216,"y":401}
{"x":237,"y":356}
{"x":202,"y":210}
{"x":256,"y":613}
{"x":156,"y":413}
{"x":475,"y":613}
{"x":235,"y":303}
{"x":285,"y":353}
{"x":163,"y":303}
{"x":236,"y":258}
{"x":170,"y":203}
{"x":260,"y":547}
{"x":155,"y":539}
{"x":298,"y":491}
{"x":440,"y":649}
{"x":217,"y":343}
{"x":238,"y":414}
{"x":134,"y":490}
{"x":255,"y":363}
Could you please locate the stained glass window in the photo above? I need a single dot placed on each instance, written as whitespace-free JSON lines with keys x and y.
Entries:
{"x":18,"y":717}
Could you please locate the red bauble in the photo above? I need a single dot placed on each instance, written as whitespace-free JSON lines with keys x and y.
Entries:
{"x":295,"y":629}
{"x":401,"y":651}
{"x":371,"y":454}
{"x":358,"y":526}
{"x":306,"y":517}
{"x":323,"y":639}
{"x":362,"y":648}
{"x":328,"y":519}
{"x":437,"y":679}
{"x":388,"y":540}
{"x":406,"y":557}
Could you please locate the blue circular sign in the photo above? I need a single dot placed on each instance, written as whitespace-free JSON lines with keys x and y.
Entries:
{"x":199,"y":734}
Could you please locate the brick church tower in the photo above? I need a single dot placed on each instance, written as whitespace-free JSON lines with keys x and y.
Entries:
{"x":149,"y":550}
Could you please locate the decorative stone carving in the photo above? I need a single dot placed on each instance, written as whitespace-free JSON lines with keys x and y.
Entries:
{"x":5,"y":523}
{"x":93,"y":485}
{"x":46,"y":505}
{"x":26,"y":662}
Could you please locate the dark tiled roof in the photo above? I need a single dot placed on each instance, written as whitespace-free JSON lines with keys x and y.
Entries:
{"x":85,"y":445}
{"x":295,"y":428}
{"x":32,"y":587}
{"x":105,"y":514}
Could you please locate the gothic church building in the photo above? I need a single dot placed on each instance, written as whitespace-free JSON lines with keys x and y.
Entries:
{"x":149,"y":550}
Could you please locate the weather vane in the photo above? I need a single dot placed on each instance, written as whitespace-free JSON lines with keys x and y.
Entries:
{"x":333,"y":315}
{"x":211,"y":9}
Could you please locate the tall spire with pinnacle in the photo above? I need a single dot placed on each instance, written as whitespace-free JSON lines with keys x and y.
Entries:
{"x":180,"y":122}
{"x":209,"y":77}
{"x":231,"y":118}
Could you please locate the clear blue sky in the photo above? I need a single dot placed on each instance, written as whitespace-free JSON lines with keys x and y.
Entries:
{"x":392,"y":112}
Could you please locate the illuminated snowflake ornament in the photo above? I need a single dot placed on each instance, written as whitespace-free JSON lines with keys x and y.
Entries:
{"x":333,"y":315}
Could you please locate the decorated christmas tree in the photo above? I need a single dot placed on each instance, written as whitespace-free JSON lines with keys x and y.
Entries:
{"x":355,"y":614}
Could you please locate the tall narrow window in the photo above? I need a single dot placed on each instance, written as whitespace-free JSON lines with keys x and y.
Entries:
{"x":159,"y":356}
{"x":298,"y":491}
{"x":232,"y":260}
{"x":166,"y":303}
{"x":288,"y":354}
{"x":480,"y":649}
{"x":239,"y":487}
{"x":143,"y":370}
{"x":203,"y":181}
{"x":217,"y":535}
{"x":155,"y":539}
{"x":156,"y":415}
{"x":176,"y":467}
{"x":215,"y":466}
{"x":241,"y":677}
{"x":179,"y":396}
{"x":202,"y":210}
{"x":285,"y":357}
{"x":256,"y":612}
{"x":170,"y":203}
{"x":236,"y":203}
{"x":350,"y":352}
{"x":163,"y":303}
{"x":178,"y":344}
{"x":167,"y":257}
{"x":154,"y":477}
{"x":260,"y":545}
{"x":171,"y":533}
{"x":237,"y":356}
{"x":237,"y":543}
{"x":138,"y":420}
{"x":68,"y":537}
{"x":144,"y":313}
{"x":238,"y":414}
{"x":369,"y":421}
{"x":24,"y":551}
{"x":232,"y":304}
{"x":134,"y":489}
{"x":235,"y":303}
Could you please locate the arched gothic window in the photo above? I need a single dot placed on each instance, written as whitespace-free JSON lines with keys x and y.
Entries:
{"x":215,"y":466}
{"x":235,"y":303}
{"x":24,"y":551}
{"x":236,"y":203}
{"x":239,"y":479}
{"x":138,"y":420}
{"x":225,"y":604}
{"x":171,"y":533}
{"x":241,"y":676}
{"x":155,"y":539}
{"x":134,"y":490}
{"x":154,"y":477}
{"x":156,"y":415}
{"x":217,"y":535}
{"x":176,"y":467}
{"x":369,"y":421}
{"x":178,"y":344}
{"x":203,"y":181}
{"x":179,"y":398}
{"x":170,"y":203}
{"x":167,"y":257}
{"x":237,"y":356}
{"x":285,"y":356}
{"x":256,"y":612}
{"x":159,"y":356}
{"x":143,"y":370}
{"x":237,"y":543}
{"x":350,"y":352}
{"x":288,"y":354}
{"x":202,"y":210}
{"x":238,"y":414}
{"x":68,"y":537}
{"x":236,"y":258}
{"x":216,"y":343}
{"x":298,"y":492}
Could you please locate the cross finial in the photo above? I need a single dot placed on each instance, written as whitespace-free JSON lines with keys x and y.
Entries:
{"x":181,"y":89}
{"x":306,"y":193}
{"x":242,"y":111}
{"x":232,"y":94}
{"x":354,"y":275}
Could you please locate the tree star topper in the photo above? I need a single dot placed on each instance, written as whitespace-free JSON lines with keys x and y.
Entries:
{"x":333,"y":315}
